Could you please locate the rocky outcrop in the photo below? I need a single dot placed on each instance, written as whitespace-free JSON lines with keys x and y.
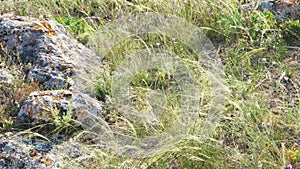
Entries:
{"x":37,"y":42}
{"x":57,"y":65}
{"x":282,"y":9}
{"x":47,"y":45}
{"x":56,"y":62}
{"x":16,"y":152}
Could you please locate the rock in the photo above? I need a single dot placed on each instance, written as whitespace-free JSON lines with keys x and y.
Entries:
{"x":17,"y":152}
{"x":282,"y":9}
{"x":33,"y":40}
{"x":73,"y":151}
{"x":6,"y":77}
{"x":20,"y":152}
{"x":45,"y":106}
{"x":47,"y":45}
{"x":59,"y":64}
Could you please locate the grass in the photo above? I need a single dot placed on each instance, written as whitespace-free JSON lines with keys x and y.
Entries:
{"x":255,"y":130}
{"x":13,"y":94}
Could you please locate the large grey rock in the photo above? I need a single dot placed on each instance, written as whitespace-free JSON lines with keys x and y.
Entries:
{"x":59,"y":63}
{"x":54,"y":54}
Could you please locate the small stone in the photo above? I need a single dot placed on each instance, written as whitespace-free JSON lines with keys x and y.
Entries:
{"x":7,"y":148}
{"x":2,"y":163}
{"x":26,"y":141}
{"x":6,"y":77}
{"x":20,"y":163}
{"x":2,"y":145}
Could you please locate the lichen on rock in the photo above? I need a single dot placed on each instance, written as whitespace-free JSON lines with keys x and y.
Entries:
{"x":45,"y":106}
{"x":47,"y":45}
{"x":282,"y":9}
{"x":57,"y":62}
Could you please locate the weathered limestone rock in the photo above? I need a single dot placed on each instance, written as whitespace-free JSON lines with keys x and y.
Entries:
{"x":282,"y":9}
{"x":47,"y":45}
{"x":57,"y":61}
{"x":18,"y":152}
{"x":34,"y":41}
{"x":44,"y":106}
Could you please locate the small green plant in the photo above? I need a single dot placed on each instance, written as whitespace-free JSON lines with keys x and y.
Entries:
{"x":78,"y":27}
{"x":291,"y":32}
{"x":64,"y":123}
{"x":294,"y":154}
{"x":103,"y":83}
{"x":6,"y":123}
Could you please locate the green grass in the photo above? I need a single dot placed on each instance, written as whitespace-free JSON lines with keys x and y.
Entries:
{"x":252,"y":133}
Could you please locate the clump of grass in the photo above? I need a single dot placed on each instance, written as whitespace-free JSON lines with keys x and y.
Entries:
{"x":79,"y":28}
{"x":12,"y":95}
